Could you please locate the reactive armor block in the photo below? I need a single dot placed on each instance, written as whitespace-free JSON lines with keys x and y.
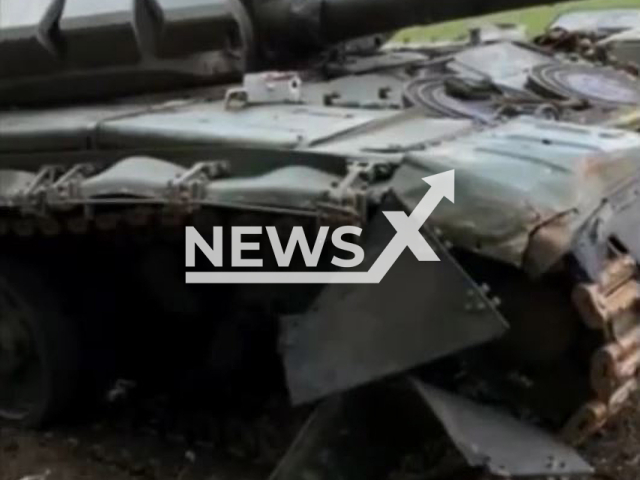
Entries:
{"x":99,"y":33}
{"x":185,"y":26}
{"x":26,"y":46}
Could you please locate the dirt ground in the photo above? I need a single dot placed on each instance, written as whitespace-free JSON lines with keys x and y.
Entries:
{"x":128,"y":446}
{"x":90,"y":454}
{"x":615,"y":452}
{"x":148,"y":440}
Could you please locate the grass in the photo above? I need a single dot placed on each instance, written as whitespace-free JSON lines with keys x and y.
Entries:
{"x":536,"y":19}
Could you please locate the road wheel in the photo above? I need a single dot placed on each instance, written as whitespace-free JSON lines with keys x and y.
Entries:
{"x":38,"y":349}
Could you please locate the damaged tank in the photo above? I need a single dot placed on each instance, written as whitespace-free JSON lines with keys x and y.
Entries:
{"x":126,"y":123}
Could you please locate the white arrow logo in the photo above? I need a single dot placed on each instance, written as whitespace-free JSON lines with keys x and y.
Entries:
{"x":407,"y":236}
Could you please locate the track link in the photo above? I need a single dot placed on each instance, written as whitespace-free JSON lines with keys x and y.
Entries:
{"x":610,"y":307}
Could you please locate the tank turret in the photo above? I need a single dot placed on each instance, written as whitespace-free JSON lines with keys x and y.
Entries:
{"x":64,"y":50}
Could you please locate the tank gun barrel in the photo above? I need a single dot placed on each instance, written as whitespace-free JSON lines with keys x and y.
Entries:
{"x":329,"y":21}
{"x":61,"y":50}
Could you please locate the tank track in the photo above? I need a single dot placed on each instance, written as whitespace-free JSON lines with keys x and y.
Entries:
{"x":51,"y":202}
{"x":610,"y":307}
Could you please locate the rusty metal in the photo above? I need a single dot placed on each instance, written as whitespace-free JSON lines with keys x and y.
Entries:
{"x":598,"y":309}
{"x":611,"y":307}
{"x":586,"y":421}
{"x":585,"y":45}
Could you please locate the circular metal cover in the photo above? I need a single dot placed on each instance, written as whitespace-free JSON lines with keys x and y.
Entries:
{"x":432,"y":94}
{"x":599,"y":86}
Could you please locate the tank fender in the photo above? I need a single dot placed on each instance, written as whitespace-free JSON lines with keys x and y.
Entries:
{"x":498,"y":442}
{"x":358,"y":333}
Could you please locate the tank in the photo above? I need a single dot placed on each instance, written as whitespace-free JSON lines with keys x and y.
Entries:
{"x":178,"y":180}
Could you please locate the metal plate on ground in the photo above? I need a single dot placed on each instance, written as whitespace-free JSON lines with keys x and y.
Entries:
{"x":494,"y":440}
{"x":598,"y":86}
{"x":355,"y":334}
